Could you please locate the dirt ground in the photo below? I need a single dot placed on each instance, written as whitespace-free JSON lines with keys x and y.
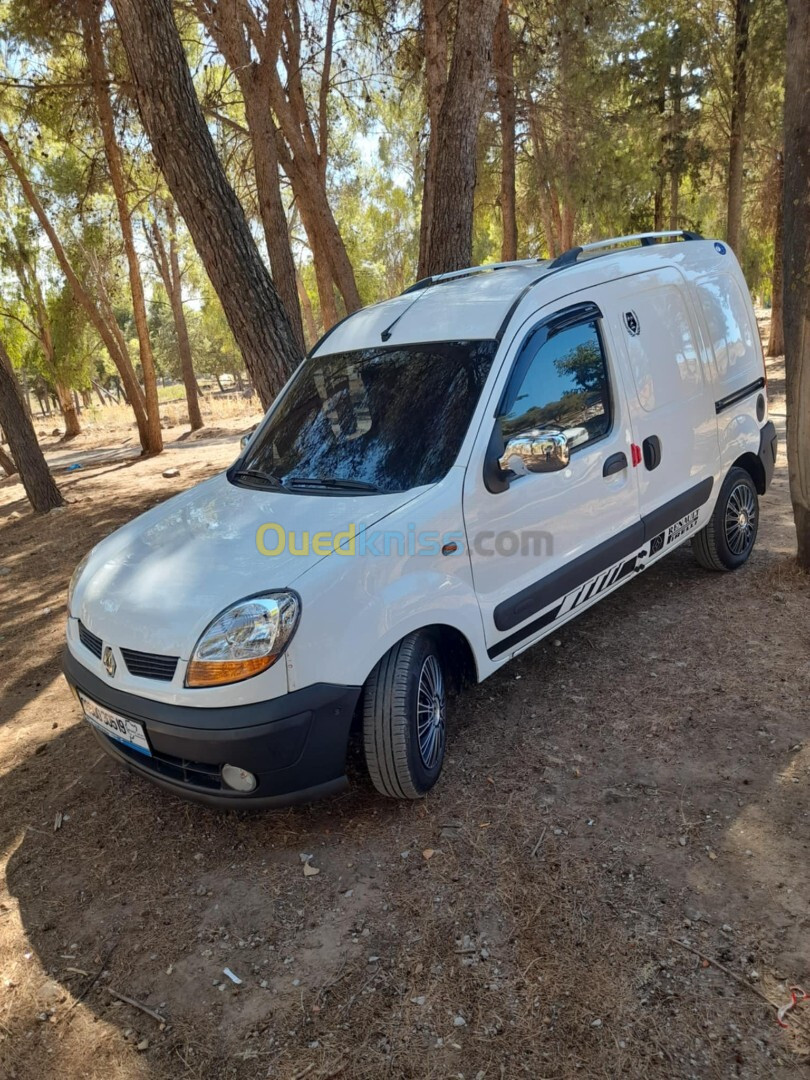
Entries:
{"x":637,"y":782}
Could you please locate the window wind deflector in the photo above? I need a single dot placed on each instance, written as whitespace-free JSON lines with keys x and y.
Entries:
{"x":336,"y":482}
{"x":258,"y":475}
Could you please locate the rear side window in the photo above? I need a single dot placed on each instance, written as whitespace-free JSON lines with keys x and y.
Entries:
{"x":727,"y":320}
{"x":565,"y":387}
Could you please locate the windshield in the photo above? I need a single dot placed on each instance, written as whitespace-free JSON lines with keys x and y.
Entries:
{"x":374,"y":420}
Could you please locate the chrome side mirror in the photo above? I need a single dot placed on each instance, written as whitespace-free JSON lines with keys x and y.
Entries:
{"x":535,"y":451}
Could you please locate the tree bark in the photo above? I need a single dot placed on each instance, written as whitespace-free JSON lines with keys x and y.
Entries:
{"x":306,"y":309}
{"x":6,"y":463}
{"x":168,"y":266}
{"x":435,"y":15}
{"x":505,"y":82}
{"x":271,"y":206}
{"x":90,"y":14}
{"x":776,"y":338}
{"x":451,"y":220}
{"x":736,"y":150}
{"x":675,"y":171}
{"x":108,"y":332}
{"x":39,"y":485}
{"x":658,"y":203}
{"x":69,"y":411}
{"x":797,"y":268}
{"x":186,"y":155}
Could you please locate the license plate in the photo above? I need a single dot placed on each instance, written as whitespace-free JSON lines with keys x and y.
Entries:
{"x":129,"y":732}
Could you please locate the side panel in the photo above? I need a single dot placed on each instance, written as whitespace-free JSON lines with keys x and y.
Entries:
{"x":737,"y":362}
{"x":670,"y":395}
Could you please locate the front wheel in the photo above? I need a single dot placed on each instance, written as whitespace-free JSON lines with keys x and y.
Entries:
{"x":404,"y":704}
{"x":728,"y":539}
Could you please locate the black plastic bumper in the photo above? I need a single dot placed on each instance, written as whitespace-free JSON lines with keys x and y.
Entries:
{"x":295,"y":745}
{"x":768,"y":444}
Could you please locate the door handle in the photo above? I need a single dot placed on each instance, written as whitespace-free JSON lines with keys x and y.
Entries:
{"x":652,"y":452}
{"x":615,"y":463}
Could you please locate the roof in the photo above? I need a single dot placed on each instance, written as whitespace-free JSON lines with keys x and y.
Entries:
{"x":475,"y":304}
{"x":470,"y":307}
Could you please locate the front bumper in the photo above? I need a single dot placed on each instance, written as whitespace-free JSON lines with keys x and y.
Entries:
{"x":295,"y":745}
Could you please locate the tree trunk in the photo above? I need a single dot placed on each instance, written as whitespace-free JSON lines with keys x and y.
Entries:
{"x":168,"y":266}
{"x":435,"y":15}
{"x":186,"y":155}
{"x":675,"y":171}
{"x":39,"y":486}
{"x":108,"y":333}
{"x":451,"y":221}
{"x":323,"y":274}
{"x":181,"y":328}
{"x":658,"y":203}
{"x":90,"y":12}
{"x":268,"y":189}
{"x":306,"y":309}
{"x":321,"y":227}
{"x":6,"y":463}
{"x":69,"y":411}
{"x":797,"y":268}
{"x":505,"y":81}
{"x":776,"y":338}
{"x":736,"y":150}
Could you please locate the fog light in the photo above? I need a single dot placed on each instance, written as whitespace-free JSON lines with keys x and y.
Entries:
{"x":238,"y":779}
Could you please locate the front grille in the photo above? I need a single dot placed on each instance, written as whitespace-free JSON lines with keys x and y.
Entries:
{"x":90,"y":641}
{"x":193,"y":773}
{"x":149,"y":665}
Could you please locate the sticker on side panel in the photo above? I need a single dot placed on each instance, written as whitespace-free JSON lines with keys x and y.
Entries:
{"x":685,"y":525}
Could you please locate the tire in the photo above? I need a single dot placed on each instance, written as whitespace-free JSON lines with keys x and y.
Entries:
{"x":408,"y":681}
{"x":728,"y":539}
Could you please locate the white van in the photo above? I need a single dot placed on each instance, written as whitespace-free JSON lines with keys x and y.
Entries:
{"x":447,"y":478}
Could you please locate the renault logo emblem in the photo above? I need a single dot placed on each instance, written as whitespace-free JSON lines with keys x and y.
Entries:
{"x":108,"y":660}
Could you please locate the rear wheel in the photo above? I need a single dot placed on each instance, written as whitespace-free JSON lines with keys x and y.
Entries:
{"x":404,"y":705}
{"x":728,"y":539}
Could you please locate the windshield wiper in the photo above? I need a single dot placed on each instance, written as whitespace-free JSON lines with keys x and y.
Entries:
{"x":257,"y":474}
{"x":336,"y":482}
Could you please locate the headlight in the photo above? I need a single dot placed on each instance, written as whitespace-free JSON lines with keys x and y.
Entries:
{"x":77,"y":573}
{"x":244,"y":639}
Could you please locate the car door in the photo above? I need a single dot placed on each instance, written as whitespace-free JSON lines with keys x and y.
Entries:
{"x":541,"y":544}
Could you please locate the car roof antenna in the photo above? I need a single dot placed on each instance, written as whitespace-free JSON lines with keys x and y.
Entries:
{"x":388,"y":331}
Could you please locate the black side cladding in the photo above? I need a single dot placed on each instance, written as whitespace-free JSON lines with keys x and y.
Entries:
{"x":557,"y":585}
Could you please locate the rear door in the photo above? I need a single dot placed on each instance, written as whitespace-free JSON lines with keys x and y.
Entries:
{"x":545,"y":540}
{"x":670,"y":398}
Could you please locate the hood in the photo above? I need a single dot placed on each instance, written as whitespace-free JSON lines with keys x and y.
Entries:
{"x":156,"y":583}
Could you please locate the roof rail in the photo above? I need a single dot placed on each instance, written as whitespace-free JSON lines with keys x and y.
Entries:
{"x":425,"y":283}
{"x":570,"y":257}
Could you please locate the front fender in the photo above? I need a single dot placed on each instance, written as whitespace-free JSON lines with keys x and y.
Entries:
{"x":356,"y":606}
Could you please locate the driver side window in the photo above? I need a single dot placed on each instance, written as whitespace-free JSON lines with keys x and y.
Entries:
{"x":565,"y":387}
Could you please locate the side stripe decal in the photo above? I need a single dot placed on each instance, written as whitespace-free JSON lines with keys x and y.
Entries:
{"x":600,"y":569}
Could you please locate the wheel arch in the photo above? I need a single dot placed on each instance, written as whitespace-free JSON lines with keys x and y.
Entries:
{"x":456,"y":650}
{"x":755,"y":469}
